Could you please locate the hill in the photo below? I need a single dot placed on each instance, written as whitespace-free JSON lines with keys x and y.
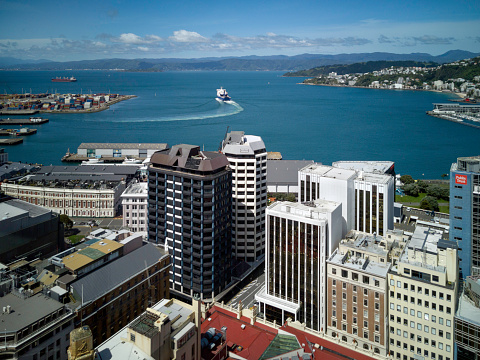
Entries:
{"x":246,"y":63}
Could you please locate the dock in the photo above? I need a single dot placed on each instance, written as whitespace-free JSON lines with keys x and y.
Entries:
{"x":76,"y":158}
{"x":30,"y":121}
{"x":13,"y":141}
{"x":18,"y":112}
{"x":16,"y":132}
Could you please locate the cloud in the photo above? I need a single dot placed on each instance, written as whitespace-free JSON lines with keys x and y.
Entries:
{"x":143,"y":48}
{"x":130,"y":38}
{"x":433,"y":40}
{"x":187,"y":36}
{"x":382,"y":39}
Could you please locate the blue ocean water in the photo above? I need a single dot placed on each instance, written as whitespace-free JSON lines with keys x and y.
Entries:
{"x":318,"y":123}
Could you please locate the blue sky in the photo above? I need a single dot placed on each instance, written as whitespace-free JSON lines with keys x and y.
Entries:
{"x":81,"y":30}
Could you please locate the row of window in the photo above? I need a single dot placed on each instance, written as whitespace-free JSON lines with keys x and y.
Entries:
{"x":355,"y":276}
{"x":419,"y":289}
{"x":419,"y":313}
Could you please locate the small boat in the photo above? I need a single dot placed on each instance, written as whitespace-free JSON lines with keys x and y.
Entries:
{"x":131,"y":161}
{"x":222,"y":95}
{"x":92,"y":161}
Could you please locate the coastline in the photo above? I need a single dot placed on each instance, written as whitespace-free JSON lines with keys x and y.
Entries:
{"x":461,"y":95}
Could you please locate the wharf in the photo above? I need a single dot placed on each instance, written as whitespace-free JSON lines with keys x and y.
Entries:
{"x":14,"y":141}
{"x":16,"y":132}
{"x":30,"y":121}
{"x":18,"y":112}
{"x":75,"y":158}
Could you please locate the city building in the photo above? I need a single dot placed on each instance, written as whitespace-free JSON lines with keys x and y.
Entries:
{"x":467,"y":321}
{"x":300,"y":238}
{"x":34,"y":327}
{"x":90,"y":191}
{"x":169,"y":329}
{"x":367,"y":197}
{"x":282,"y":175}
{"x":190,"y":213}
{"x":374,"y":167}
{"x":111,"y":296}
{"x":422,"y":296}
{"x":135,"y":206}
{"x":248,"y":160}
{"x":357,"y":298}
{"x":15,"y":169}
{"x":465,"y":213}
{"x":28,"y":231}
{"x":117,"y":150}
{"x":3,"y":156}
{"x":81,"y":344}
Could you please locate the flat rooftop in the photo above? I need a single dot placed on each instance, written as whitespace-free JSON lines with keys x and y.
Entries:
{"x":140,"y":188}
{"x":467,"y":311}
{"x":329,"y":172}
{"x":313,"y":209}
{"x":376,"y":167}
{"x":359,"y":264}
{"x":25,"y":312}
{"x":148,"y":146}
{"x":285,"y":171}
{"x":176,"y":312}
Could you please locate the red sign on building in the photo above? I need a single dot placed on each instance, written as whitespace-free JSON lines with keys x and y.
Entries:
{"x":461,"y":179}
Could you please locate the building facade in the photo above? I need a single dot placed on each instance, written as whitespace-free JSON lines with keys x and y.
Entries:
{"x":248,"y":160}
{"x":357,"y":290}
{"x":465,"y":213}
{"x":135,"y":206}
{"x":422,"y":296}
{"x":300,"y":237}
{"x":190,"y":205}
{"x":467,"y":321}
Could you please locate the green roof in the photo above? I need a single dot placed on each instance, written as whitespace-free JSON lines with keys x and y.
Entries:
{"x":282,"y":344}
{"x":93,"y":254}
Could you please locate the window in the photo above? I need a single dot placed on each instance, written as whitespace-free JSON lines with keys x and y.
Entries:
{"x":412,"y":324}
{"x":392,"y":282}
{"x":449,"y":323}
{"x":344,"y":285}
{"x":399,"y":284}
{"x":425,"y":328}
{"x":344,"y":273}
{"x":334,"y":282}
{"x":365,"y":302}
{"x":366,"y":279}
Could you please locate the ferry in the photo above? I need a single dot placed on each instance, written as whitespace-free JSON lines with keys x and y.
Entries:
{"x":222,"y":95}
{"x":64,"y":79}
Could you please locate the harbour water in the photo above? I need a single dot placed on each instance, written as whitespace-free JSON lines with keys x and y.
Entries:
{"x":318,"y":123}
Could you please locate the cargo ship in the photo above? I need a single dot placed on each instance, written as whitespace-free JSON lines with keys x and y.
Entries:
{"x":64,"y":79}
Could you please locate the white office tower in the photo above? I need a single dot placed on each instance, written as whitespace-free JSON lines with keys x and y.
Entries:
{"x":367,"y":197}
{"x":248,"y":160}
{"x":300,"y":238}
{"x":325,"y":182}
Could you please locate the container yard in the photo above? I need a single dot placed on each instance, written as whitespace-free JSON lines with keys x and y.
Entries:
{"x":29,"y":104}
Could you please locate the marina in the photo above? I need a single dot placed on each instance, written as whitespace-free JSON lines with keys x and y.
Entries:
{"x":468,"y":115}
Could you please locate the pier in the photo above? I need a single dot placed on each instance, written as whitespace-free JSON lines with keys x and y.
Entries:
{"x":30,"y":121}
{"x":13,"y":141}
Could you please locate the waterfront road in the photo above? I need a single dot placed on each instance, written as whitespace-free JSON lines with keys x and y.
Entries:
{"x":247,"y":294}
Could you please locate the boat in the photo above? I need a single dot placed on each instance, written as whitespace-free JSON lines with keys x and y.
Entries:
{"x":64,"y":79}
{"x":92,"y":161}
{"x":222,"y":95}
{"x":128,"y":160}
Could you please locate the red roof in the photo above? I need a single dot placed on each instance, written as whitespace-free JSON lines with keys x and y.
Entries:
{"x":304,"y":337}
{"x":254,"y":339}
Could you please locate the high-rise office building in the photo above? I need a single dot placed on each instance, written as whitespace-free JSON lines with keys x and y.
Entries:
{"x":367,"y":197}
{"x":300,"y":238}
{"x":248,"y":160}
{"x":190,"y":204}
{"x":465,"y":213}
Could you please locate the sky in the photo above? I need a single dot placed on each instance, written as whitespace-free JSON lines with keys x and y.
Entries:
{"x":87,"y":30}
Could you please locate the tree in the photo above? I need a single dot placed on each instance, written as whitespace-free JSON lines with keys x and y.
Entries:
{"x":66,"y":221}
{"x":411,"y":190}
{"x":429,"y":203}
{"x":434,"y":191}
{"x":422,"y":186}
{"x":407,"y":179}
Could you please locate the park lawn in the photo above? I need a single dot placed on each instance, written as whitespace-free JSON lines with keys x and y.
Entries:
{"x":444,"y":209}
{"x":410,"y":199}
{"x":75,"y":238}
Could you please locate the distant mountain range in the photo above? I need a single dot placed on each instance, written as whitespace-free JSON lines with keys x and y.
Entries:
{"x":245,"y":63}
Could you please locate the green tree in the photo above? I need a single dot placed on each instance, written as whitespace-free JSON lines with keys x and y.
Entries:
{"x":422,"y":186}
{"x":434,"y":191}
{"x":406,"y":179}
{"x":411,"y":190}
{"x":429,"y":203}
{"x":67,"y":222}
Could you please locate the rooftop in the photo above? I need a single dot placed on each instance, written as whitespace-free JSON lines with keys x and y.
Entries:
{"x":349,"y":261}
{"x":315,"y":209}
{"x":109,"y":276}
{"x":176,"y":312}
{"x":140,"y":188}
{"x":25,"y":312}
{"x":148,"y":146}
{"x":285,"y":171}
{"x":236,"y":142}
{"x":376,"y":167}
{"x":329,"y":171}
